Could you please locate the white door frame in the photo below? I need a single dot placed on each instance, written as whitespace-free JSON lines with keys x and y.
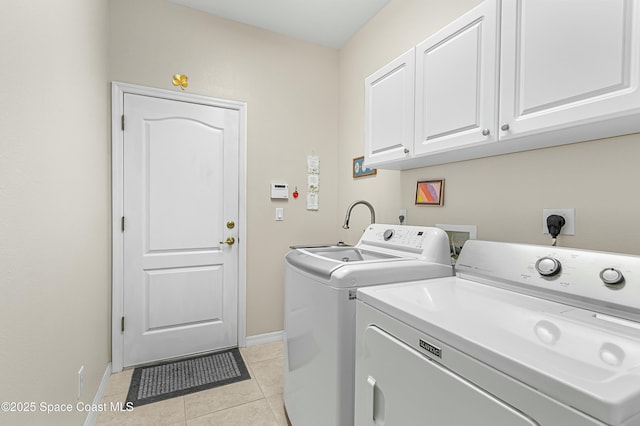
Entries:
{"x":118,"y":90}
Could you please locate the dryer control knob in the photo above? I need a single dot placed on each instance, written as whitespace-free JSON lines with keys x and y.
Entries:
{"x":387,"y":234}
{"x":548,"y":266}
{"x":611,"y":276}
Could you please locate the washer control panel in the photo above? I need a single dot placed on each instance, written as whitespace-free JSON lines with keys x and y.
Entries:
{"x":397,"y":236}
{"x":408,"y":241}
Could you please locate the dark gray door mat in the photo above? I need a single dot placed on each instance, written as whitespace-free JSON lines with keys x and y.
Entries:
{"x":166,"y":380}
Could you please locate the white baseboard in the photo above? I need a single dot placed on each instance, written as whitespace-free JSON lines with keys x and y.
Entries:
{"x":260,"y":339}
{"x":93,"y":414}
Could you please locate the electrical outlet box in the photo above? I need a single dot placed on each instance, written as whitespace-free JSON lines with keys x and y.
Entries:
{"x":403,"y":214}
{"x":569,"y":216}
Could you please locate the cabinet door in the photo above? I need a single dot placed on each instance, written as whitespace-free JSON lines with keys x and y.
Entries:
{"x":389,"y":111}
{"x":456,"y":83}
{"x":568,"y":63}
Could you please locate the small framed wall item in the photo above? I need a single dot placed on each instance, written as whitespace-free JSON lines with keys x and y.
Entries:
{"x":430,"y":192}
{"x":359,"y":170}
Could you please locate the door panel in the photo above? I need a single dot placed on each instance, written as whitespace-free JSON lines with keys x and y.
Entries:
{"x":453,"y":115}
{"x":165,"y":290}
{"x":389,"y":110}
{"x":180,"y":189}
{"x":456,"y":83}
{"x":185,"y":181}
{"x":561,"y":68}
{"x":544,"y":57}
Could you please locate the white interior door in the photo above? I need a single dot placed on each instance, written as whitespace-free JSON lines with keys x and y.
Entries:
{"x":180,"y":197}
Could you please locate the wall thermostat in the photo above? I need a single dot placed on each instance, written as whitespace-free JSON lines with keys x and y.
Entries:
{"x":280,"y":190}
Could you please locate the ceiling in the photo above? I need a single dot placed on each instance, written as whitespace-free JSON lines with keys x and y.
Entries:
{"x":326,"y":22}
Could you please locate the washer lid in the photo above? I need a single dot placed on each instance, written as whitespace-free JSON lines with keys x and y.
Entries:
{"x":323,"y":261}
{"x":578,"y":357}
{"x":348,"y":254}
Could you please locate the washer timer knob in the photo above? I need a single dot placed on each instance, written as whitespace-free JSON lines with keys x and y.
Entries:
{"x":387,"y":234}
{"x":611,"y":276}
{"x":548,"y":266}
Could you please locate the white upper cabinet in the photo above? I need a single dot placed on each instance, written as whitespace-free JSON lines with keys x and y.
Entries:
{"x":456,"y":83}
{"x":510,"y":75}
{"x":568,"y":63}
{"x":389,"y":111}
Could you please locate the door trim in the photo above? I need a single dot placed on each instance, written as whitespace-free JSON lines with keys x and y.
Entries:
{"x":118,"y":90}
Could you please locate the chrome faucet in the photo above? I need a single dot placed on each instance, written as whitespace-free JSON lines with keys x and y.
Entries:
{"x":352,"y":205}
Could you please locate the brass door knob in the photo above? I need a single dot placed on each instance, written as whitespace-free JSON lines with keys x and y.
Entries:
{"x":230,"y":241}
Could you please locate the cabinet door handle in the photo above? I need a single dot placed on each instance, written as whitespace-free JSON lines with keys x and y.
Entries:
{"x":505,"y":127}
{"x":406,"y":150}
{"x":486,"y":132}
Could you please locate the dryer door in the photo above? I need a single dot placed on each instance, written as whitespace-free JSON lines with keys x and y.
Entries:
{"x":396,"y":385}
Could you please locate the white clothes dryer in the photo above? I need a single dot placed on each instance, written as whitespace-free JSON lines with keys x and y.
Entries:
{"x":522,"y":335}
{"x":319,"y":317}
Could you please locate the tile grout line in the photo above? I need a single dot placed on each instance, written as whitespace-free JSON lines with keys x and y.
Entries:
{"x":232,"y":407}
{"x":250,"y":363}
{"x":184,"y":409}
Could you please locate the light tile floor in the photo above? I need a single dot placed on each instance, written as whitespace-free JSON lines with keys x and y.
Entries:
{"x":256,"y":402}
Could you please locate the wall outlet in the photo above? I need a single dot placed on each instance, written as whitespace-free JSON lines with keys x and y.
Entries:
{"x":80,"y":381}
{"x":403,"y":217}
{"x":569,"y":216}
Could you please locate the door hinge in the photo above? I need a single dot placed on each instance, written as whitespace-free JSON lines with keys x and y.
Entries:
{"x":122,"y":324}
{"x":122,"y":121}
{"x":122,"y":224}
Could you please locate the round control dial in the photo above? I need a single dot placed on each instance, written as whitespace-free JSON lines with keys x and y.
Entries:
{"x":548,"y":266}
{"x":388,"y":234}
{"x":611,"y":276}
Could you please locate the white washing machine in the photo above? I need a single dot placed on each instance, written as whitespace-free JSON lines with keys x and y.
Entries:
{"x":522,"y":335}
{"x":319,"y":320}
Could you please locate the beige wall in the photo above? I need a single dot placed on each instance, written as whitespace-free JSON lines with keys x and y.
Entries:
{"x":290,"y":88}
{"x":504,"y":195}
{"x":54,"y":204}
